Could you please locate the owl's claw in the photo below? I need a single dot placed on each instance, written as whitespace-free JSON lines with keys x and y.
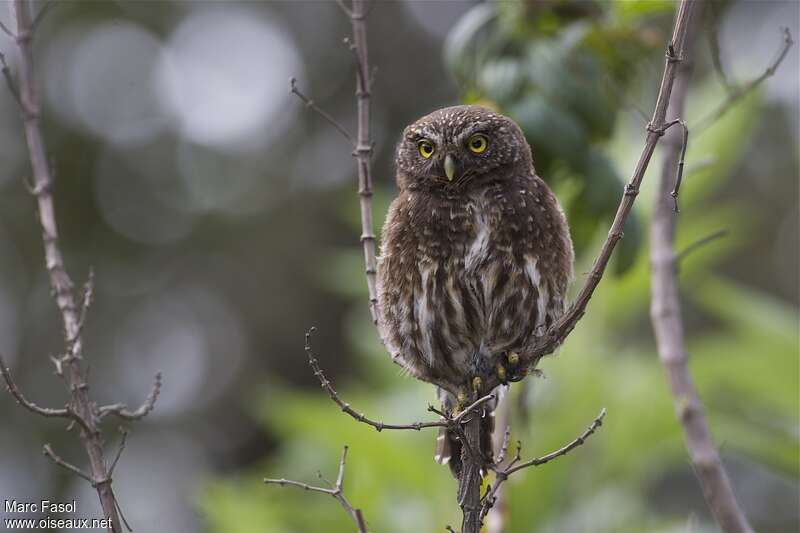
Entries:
{"x":502,"y":375}
{"x":476,"y":384}
{"x":513,"y":358}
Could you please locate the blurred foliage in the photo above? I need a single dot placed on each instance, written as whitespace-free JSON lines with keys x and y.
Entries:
{"x":560,"y":69}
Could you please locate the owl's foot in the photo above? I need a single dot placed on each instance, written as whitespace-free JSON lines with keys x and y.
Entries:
{"x":477,"y":382}
{"x":501,"y":372}
{"x":513,"y":372}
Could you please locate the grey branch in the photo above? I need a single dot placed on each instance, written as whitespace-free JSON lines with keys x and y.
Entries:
{"x":121,"y":410}
{"x":53,"y":456}
{"x":81,"y":409}
{"x":667,"y":323}
{"x":737,"y":93}
{"x":12,"y":387}
{"x":448,"y":421}
{"x":336,"y":490}
{"x":515,"y":464}
{"x":310,"y":104}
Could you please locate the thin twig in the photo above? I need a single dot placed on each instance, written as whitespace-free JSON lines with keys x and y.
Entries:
{"x":119,"y":452}
{"x":53,"y":456}
{"x":713,"y":45}
{"x":668,"y":326}
{"x":336,"y":490}
{"x":310,"y":104}
{"x":12,"y":87}
{"x":24,"y":402}
{"x":699,"y":243}
{"x":448,"y":421}
{"x":121,"y":410}
{"x":596,"y":423}
{"x":515,"y":465}
{"x":737,"y":93}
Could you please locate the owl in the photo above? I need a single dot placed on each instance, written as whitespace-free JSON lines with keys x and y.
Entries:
{"x":475,"y":260}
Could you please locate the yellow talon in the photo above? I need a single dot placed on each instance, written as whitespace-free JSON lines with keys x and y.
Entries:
{"x":476,"y":383}
{"x":501,"y":372}
{"x":513,"y":358}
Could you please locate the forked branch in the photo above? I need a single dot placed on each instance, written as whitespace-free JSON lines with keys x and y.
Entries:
{"x":80,"y":409}
{"x":334,"y":489}
{"x":516,"y":464}
{"x":447,"y":421}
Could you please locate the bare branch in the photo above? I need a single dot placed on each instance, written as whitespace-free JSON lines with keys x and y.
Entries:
{"x":119,"y":452}
{"x":120,"y":410}
{"x":310,"y":104}
{"x":668,"y":326}
{"x":378,"y":425}
{"x":502,"y":474}
{"x":18,"y":396}
{"x":596,"y":423}
{"x":48,"y":451}
{"x":81,"y":409}
{"x":12,"y":87}
{"x":41,"y":14}
{"x":737,"y":93}
{"x":5,"y":30}
{"x":713,"y":45}
{"x":337,"y":491}
{"x":699,"y":243}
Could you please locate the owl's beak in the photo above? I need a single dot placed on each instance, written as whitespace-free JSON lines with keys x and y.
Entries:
{"x":449,"y":167}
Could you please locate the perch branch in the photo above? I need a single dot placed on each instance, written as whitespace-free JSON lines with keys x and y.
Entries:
{"x":336,"y":490}
{"x":515,"y":464}
{"x":668,"y":326}
{"x":737,"y":93}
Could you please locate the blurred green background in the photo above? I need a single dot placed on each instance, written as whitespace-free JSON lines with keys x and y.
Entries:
{"x":221,"y":220}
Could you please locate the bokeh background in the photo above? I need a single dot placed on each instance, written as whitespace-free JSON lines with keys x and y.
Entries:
{"x":221,"y":220}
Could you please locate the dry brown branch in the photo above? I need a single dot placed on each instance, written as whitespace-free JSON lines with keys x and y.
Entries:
{"x":737,"y":93}
{"x":335,"y":489}
{"x":515,"y":464}
{"x":80,"y":408}
{"x":668,"y":326}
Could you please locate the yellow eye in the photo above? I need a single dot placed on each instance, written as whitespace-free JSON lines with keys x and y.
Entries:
{"x":478,"y":143}
{"x":426,"y":148}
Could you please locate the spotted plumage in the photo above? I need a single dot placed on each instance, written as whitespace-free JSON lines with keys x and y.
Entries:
{"x":476,"y":254}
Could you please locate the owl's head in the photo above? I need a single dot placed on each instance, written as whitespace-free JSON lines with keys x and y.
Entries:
{"x":455,"y":146}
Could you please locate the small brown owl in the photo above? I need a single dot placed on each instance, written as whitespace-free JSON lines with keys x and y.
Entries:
{"x":475,"y":259}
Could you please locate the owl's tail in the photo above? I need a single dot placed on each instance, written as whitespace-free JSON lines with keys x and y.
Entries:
{"x":449,"y":447}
